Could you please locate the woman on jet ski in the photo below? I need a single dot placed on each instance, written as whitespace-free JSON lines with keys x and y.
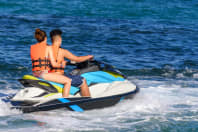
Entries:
{"x":58,"y":54}
{"x":41,"y":63}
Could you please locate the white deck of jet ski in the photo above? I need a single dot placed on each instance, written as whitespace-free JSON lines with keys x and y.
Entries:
{"x":110,"y":89}
{"x":97,"y":91}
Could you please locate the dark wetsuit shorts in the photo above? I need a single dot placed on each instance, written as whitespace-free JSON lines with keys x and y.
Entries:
{"x":77,"y":80}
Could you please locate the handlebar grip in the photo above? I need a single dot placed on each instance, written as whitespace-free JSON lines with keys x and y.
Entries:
{"x":72,"y":63}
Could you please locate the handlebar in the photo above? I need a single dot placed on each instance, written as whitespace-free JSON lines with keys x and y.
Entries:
{"x":71,"y":63}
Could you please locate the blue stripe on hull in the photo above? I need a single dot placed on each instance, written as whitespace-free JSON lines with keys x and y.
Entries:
{"x":73,"y":107}
{"x":122,"y":98}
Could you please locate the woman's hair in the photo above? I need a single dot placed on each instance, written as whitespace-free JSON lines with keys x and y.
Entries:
{"x":40,"y":35}
{"x":55,"y":32}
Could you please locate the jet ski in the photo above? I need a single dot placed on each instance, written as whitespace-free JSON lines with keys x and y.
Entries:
{"x":107,"y":85}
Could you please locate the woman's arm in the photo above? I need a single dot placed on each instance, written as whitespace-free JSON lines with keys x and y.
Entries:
{"x":51,"y":58}
{"x":72,"y":57}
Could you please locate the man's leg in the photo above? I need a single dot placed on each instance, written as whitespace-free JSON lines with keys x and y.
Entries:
{"x":85,"y":89}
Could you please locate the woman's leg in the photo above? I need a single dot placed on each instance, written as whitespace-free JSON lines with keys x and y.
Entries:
{"x":85,"y":89}
{"x":58,"y":78}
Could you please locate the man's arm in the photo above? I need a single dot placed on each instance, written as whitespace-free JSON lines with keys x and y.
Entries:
{"x":72,"y":57}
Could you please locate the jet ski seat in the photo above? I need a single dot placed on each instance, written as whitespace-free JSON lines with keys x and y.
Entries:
{"x":52,"y":87}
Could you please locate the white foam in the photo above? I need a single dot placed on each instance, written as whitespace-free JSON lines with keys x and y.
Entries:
{"x":195,"y":75}
{"x":180,"y":75}
{"x":157,"y":100}
{"x":6,"y":110}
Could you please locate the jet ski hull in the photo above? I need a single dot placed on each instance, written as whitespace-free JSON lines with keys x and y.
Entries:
{"x":76,"y":104}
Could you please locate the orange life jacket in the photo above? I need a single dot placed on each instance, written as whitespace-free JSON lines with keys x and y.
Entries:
{"x":39,"y":61}
{"x":55,"y":50}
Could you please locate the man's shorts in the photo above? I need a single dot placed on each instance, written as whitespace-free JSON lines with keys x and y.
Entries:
{"x":77,"y":80}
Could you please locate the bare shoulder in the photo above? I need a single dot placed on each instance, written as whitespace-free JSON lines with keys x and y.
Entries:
{"x":49,"y":48}
{"x":64,"y":51}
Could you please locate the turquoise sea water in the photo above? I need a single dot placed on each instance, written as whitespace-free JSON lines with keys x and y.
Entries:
{"x":153,"y":42}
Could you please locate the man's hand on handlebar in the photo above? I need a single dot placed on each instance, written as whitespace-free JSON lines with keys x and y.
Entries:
{"x":91,"y":57}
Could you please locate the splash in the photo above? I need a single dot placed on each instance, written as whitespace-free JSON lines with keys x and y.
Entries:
{"x":155,"y":104}
{"x":159,"y":101}
{"x":5,"y":109}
